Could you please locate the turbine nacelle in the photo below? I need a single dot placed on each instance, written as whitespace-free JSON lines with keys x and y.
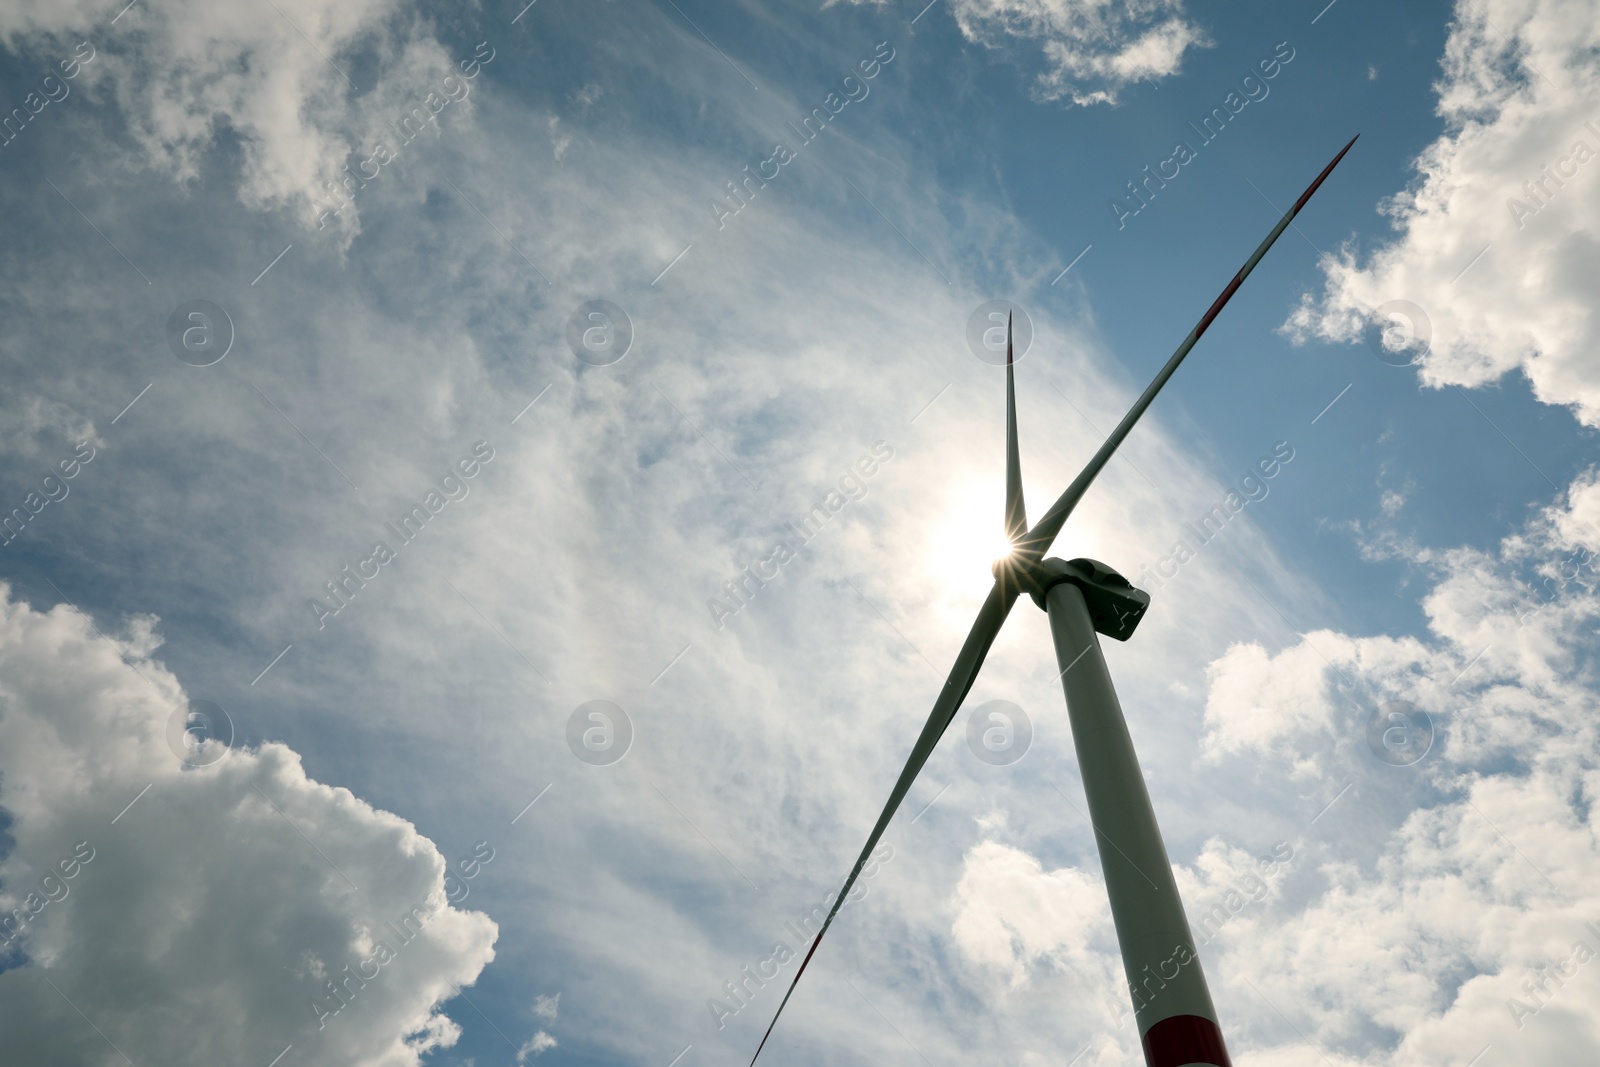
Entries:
{"x":1115,"y":605}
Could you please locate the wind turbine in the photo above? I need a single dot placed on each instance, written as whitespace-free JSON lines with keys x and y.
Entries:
{"x":1177,"y":1021}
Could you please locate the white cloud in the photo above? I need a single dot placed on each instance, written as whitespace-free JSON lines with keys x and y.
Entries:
{"x":545,"y":1007}
{"x":1502,"y":622}
{"x":276,"y":75}
{"x":1515,"y":173}
{"x":1255,"y":698}
{"x":1093,"y":50}
{"x":560,"y":142}
{"x":210,"y":912}
{"x":536,"y":1045}
{"x":1011,"y":914}
{"x":38,"y":429}
{"x":1417,"y":958}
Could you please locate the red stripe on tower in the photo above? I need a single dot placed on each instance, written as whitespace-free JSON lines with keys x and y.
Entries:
{"x":1180,"y":1040}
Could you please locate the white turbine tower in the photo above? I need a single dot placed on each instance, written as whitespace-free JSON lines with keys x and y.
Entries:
{"x":1179,"y":1027}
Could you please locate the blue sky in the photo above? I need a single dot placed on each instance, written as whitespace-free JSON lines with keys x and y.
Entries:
{"x":587,"y":514}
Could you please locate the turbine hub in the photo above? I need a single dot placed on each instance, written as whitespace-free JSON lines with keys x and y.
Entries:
{"x":1115,"y":605}
{"x":1009,"y":565}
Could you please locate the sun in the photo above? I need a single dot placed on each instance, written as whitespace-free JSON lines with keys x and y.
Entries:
{"x":968,"y":535}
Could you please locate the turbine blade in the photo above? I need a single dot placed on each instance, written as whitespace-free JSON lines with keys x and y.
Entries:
{"x":1016,"y":513}
{"x":1039,"y":540}
{"x":990,"y":618}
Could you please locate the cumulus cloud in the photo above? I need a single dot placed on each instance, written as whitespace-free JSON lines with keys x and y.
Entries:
{"x":1012,"y":914}
{"x":1092,"y":51}
{"x":1017,"y":921}
{"x":1518,"y":618}
{"x":209,"y":905}
{"x":1437,"y":949}
{"x":1496,"y":235}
